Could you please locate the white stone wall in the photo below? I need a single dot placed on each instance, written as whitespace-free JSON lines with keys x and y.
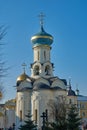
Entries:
{"x":40,"y":100}
{"x":23,"y":103}
{"x":2,"y":122}
{"x":39,"y":53}
{"x":10,"y":118}
{"x":72,"y":99}
{"x":41,"y":61}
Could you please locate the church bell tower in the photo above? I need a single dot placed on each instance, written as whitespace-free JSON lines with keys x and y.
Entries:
{"x":42,"y":66}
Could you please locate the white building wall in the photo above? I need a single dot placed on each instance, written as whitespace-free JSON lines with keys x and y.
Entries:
{"x":10,"y":117}
{"x":23,"y":103}
{"x":72,"y":99}
{"x":40,"y":100}
{"x":42,"y":54}
{"x":2,"y":120}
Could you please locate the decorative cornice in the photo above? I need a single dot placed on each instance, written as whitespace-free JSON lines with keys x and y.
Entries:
{"x":41,"y":45}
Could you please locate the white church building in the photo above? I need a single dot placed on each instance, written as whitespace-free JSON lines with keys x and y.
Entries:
{"x":35,"y":91}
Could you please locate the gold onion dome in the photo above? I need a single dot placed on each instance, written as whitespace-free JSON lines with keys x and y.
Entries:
{"x":22,"y":77}
{"x":42,"y":38}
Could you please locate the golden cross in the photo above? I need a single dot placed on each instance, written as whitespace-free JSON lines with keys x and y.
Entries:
{"x":41,"y":16}
{"x":24,"y":65}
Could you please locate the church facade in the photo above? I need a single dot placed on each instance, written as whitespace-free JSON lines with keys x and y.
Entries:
{"x":35,"y":91}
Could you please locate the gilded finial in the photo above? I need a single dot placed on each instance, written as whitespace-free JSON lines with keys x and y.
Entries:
{"x":24,"y":65}
{"x":41,"y":16}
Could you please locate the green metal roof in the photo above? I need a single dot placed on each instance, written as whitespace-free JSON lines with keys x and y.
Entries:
{"x":42,"y":38}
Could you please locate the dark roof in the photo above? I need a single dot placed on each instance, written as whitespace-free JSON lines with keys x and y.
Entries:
{"x":52,"y":79}
{"x":24,"y":89}
{"x":41,"y":85}
{"x":56,"y":88}
{"x":71,"y":93}
{"x":64,"y":80}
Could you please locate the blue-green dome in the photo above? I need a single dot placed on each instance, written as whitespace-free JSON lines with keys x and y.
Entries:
{"x":42,"y":38}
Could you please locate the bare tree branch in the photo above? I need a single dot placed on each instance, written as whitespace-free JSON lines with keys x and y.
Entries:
{"x":3,"y":69}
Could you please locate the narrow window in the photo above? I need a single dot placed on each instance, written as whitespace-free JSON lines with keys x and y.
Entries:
{"x":36,"y":70}
{"x":20,"y":115}
{"x":49,"y":55}
{"x":38,"y":55}
{"x":47,"y":70}
{"x":46,"y":114}
{"x":44,"y":55}
{"x":83,"y":114}
{"x":70,"y":101}
{"x":82,"y":106}
{"x":36,"y":115}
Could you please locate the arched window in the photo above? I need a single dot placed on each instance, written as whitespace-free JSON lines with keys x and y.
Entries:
{"x":38,"y":55}
{"x":83,"y":114}
{"x":70,"y":101}
{"x":36,"y":70}
{"x":47,"y":70}
{"x":45,"y":55}
{"x":36,"y":115}
{"x":20,"y":115}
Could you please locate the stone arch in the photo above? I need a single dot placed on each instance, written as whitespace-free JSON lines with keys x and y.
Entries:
{"x":42,"y":80}
{"x":47,"y":70}
{"x":36,"y":69}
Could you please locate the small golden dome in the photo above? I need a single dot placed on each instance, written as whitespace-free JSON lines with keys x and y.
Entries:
{"x":22,"y":77}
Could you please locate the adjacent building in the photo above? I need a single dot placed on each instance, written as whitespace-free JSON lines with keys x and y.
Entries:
{"x":7,"y":114}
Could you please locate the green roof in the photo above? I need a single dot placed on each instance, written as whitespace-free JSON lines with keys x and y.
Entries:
{"x":42,"y":38}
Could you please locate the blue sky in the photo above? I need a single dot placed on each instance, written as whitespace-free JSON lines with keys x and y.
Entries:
{"x":66,"y":21}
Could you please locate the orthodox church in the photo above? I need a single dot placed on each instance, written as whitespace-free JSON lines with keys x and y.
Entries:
{"x":35,"y":91}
